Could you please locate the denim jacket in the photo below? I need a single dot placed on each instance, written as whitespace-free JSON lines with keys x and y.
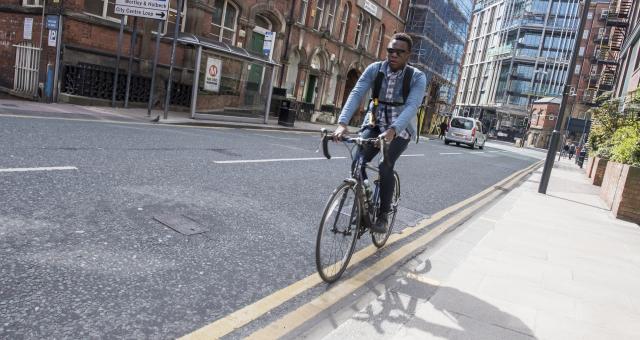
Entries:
{"x":408,"y":117}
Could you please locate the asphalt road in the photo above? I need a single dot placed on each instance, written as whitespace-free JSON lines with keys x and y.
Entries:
{"x":82,"y":256}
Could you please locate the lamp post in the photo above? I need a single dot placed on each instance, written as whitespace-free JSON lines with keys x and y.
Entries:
{"x":555,"y":135}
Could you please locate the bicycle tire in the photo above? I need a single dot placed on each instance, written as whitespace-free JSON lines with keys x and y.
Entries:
{"x":380,"y":239}
{"x":333,"y":268}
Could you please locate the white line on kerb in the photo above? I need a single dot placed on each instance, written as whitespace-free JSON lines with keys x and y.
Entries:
{"x":416,"y":155}
{"x":53,"y":168}
{"x":451,"y":153}
{"x":274,"y":160}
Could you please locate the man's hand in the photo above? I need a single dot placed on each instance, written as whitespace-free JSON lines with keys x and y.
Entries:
{"x":340,"y":132}
{"x":389,"y":135}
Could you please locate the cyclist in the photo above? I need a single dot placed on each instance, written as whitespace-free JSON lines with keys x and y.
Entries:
{"x":394,"y":118}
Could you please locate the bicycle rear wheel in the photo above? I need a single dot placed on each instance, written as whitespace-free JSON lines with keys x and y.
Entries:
{"x":379,"y":239}
{"x":337,"y":233}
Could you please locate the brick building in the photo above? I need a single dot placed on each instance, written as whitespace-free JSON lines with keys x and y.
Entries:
{"x":544,"y":114}
{"x":320,"y":49}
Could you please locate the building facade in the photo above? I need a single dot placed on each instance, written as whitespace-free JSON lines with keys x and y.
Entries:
{"x":518,"y":51}
{"x":320,"y":47}
{"x":439,"y":30}
{"x":627,"y":81}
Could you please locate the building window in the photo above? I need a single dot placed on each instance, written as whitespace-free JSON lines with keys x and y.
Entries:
{"x":380,"y":40}
{"x":303,"y":11}
{"x":399,"y":7}
{"x":32,"y":3}
{"x":585,"y":34}
{"x":223,"y":22}
{"x":581,"y":51}
{"x":359,"y":28}
{"x":317,"y":20}
{"x":590,"y":15}
{"x":170,"y":23}
{"x":578,"y":67}
{"x":101,"y":8}
{"x":344,"y":22}
{"x":331,"y":15}
{"x":366,"y":31}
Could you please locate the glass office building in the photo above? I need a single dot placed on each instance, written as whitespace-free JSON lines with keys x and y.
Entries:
{"x":518,"y":51}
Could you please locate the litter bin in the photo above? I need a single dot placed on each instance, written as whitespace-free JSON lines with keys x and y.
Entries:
{"x":287,"y":114}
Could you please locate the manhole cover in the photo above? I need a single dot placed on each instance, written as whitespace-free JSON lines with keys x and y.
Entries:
{"x":181,"y":223}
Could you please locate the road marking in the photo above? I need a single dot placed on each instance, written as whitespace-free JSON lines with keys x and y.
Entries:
{"x":283,"y":138}
{"x":477,"y":152}
{"x":416,"y":155}
{"x":53,"y":168}
{"x":451,"y":153}
{"x":249,"y":313}
{"x":274,"y":160}
{"x":496,"y":151}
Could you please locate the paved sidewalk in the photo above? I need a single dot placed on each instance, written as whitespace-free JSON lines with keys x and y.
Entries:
{"x":554,"y":266}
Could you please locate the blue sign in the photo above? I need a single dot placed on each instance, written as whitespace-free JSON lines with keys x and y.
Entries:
{"x":52,"y":22}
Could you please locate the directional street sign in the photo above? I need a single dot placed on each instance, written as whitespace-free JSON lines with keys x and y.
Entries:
{"x":154,"y":9}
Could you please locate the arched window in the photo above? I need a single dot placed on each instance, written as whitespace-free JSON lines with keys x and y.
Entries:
{"x":366,"y":31}
{"x":359,"y":29}
{"x":317,"y":21}
{"x":223,"y":22}
{"x":292,"y":73}
{"x":380,"y":40}
{"x":331,"y":14}
{"x":344,"y":21}
{"x":303,"y":11}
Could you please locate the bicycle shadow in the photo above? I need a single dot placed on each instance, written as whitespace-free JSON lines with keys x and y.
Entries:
{"x":412,"y":306}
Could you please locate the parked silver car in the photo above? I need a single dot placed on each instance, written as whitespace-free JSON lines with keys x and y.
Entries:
{"x":467,"y":131}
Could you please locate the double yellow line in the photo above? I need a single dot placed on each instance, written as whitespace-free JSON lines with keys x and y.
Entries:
{"x":296,"y":318}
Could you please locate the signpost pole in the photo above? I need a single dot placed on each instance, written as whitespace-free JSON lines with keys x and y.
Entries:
{"x":115,"y":77}
{"x":155,"y":65}
{"x":56,"y":72}
{"x":173,"y":58}
{"x":132,"y":48}
{"x":196,"y":81}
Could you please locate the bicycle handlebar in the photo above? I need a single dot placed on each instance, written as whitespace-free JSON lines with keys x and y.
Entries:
{"x":326,"y":137}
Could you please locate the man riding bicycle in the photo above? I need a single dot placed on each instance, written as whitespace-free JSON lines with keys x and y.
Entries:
{"x":392,"y":113}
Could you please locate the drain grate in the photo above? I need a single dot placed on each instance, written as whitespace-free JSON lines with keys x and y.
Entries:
{"x":180,"y":223}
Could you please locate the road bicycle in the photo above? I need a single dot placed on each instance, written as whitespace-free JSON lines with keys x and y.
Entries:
{"x":351,"y":210}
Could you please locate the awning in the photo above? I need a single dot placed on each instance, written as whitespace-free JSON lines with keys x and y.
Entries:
{"x":219,"y":46}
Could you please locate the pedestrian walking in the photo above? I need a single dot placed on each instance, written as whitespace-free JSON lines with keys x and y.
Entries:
{"x":572,"y":150}
{"x":443,"y":128}
{"x":565,"y":150}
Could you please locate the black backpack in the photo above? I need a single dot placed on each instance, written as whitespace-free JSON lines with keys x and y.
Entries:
{"x":375,"y":92}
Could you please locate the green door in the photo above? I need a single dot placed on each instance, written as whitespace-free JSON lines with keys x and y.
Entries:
{"x":311,"y":87}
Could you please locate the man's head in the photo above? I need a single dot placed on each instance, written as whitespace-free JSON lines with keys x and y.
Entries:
{"x":399,"y":51}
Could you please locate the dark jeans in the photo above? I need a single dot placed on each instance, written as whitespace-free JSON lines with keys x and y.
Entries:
{"x":395,"y":149}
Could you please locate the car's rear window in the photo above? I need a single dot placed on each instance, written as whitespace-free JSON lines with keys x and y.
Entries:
{"x":461,"y":123}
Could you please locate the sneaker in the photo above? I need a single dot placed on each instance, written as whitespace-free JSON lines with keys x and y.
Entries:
{"x":380,"y":225}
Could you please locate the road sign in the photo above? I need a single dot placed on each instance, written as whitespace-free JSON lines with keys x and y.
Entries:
{"x":212,"y":75}
{"x":154,"y":9}
{"x":52,"y":22}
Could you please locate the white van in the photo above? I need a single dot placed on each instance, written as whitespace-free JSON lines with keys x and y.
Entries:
{"x":466,"y":131}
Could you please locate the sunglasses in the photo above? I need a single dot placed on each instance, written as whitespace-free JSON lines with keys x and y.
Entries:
{"x":396,"y":51}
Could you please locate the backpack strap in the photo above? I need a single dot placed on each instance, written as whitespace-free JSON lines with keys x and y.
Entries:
{"x":375,"y":96}
{"x":406,"y":83}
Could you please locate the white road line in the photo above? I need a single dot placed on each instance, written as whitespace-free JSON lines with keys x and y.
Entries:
{"x":416,"y":155}
{"x":495,"y":151}
{"x":274,"y":160}
{"x":283,"y":138}
{"x":451,"y":153}
{"x":54,"y":168}
{"x":476,"y":152}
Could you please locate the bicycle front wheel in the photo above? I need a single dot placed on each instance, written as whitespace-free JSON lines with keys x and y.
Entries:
{"x":379,"y":239}
{"x":337,"y":233}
